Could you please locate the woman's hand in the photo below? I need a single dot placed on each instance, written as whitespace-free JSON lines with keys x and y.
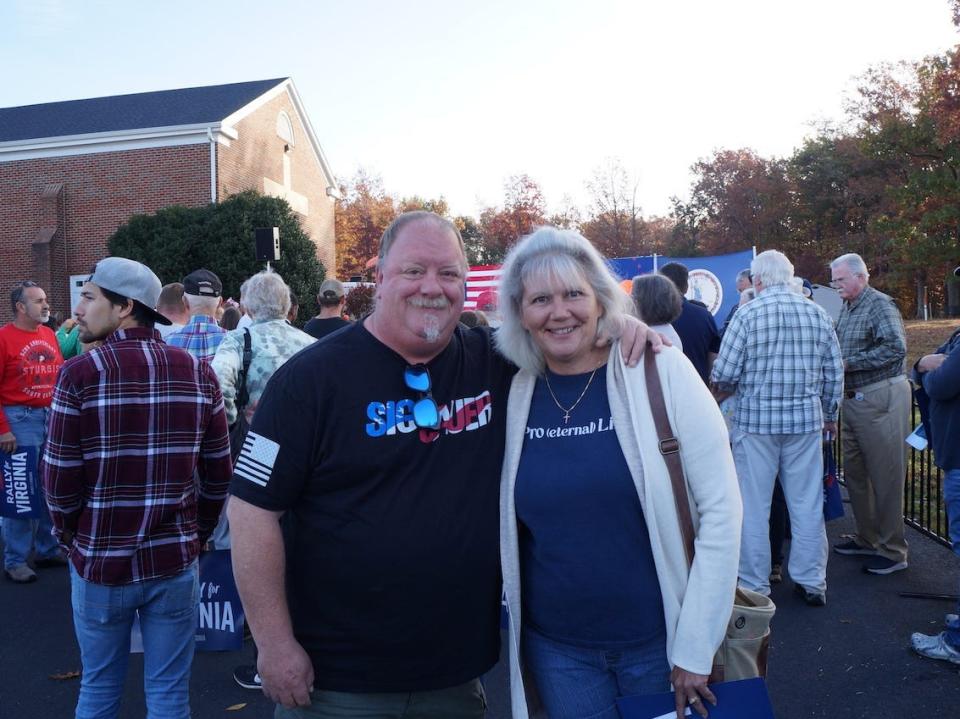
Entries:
{"x":690,"y":688}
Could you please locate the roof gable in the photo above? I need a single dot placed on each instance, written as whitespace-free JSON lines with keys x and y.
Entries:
{"x":188,"y":106}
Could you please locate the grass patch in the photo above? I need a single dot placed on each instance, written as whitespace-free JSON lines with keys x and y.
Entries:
{"x":923,"y":337}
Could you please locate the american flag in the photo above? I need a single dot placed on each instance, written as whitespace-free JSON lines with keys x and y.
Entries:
{"x":482,"y":283}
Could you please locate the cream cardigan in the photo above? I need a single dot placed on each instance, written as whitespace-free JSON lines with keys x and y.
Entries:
{"x":696,"y":604}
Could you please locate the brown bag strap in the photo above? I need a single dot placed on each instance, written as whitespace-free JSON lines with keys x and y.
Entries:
{"x":670,"y":449}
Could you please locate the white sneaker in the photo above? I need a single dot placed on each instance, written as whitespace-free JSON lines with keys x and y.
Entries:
{"x":934,"y":647}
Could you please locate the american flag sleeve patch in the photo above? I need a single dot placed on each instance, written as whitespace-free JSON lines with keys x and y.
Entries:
{"x":256,"y":459}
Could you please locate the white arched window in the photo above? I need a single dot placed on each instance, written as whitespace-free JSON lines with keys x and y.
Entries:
{"x":285,"y":128}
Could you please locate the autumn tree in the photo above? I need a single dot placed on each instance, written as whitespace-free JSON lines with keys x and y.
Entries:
{"x":738,"y":199}
{"x":568,"y":216}
{"x":614,"y":223}
{"x":523,"y":210}
{"x":362,"y":215}
{"x":909,"y":122}
{"x":437,"y":206}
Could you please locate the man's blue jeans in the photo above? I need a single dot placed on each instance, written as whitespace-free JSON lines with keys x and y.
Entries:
{"x":102,"y":618}
{"x":951,"y":501}
{"x":576,"y":682}
{"x":29,"y":426}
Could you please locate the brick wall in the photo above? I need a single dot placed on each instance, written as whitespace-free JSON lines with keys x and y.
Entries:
{"x":100,"y":192}
{"x":258,"y":153}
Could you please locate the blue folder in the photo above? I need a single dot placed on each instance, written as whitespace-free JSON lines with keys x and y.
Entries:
{"x":744,"y":699}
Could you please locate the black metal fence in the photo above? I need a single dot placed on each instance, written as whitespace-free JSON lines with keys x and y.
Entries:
{"x":922,"y":492}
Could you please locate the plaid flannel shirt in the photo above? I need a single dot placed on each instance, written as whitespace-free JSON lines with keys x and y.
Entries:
{"x":781,"y":357}
{"x":200,"y":337}
{"x":872,"y":340}
{"x":137,"y":459}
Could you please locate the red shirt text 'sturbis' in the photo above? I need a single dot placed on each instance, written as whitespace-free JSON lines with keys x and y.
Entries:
{"x":29,"y":362}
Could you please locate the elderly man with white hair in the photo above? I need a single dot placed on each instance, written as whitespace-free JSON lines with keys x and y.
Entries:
{"x":781,"y":358}
{"x":201,"y":335}
{"x":876,"y":416}
{"x":273,"y":341}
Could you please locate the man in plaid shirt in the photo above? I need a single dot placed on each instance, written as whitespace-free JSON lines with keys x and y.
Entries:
{"x":201,"y":335}
{"x":136,"y":469}
{"x":876,"y":416}
{"x":781,"y":357}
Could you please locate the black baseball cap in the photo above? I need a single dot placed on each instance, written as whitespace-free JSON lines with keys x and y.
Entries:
{"x":202,"y":283}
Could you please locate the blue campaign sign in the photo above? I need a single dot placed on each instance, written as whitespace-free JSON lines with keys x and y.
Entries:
{"x":20,"y":495}
{"x":220,"y":616}
{"x":744,"y":699}
{"x":713,"y":280}
{"x":626,"y":268}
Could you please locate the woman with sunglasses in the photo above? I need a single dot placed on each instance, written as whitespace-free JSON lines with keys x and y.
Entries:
{"x":602,"y":603}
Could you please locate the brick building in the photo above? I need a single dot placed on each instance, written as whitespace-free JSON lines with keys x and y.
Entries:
{"x":72,"y":172}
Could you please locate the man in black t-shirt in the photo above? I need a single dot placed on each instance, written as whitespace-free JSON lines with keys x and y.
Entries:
{"x":695,"y":325}
{"x":384,"y":585}
{"x":380,"y":447}
{"x":331,"y":299}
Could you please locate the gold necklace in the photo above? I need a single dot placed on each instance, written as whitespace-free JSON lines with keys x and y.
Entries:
{"x":567,"y":410}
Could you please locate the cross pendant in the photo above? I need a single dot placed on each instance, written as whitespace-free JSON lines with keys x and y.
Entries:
{"x":566,"y":417}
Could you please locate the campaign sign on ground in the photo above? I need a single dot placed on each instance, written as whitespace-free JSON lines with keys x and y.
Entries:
{"x":220,"y":615}
{"x":20,"y":496}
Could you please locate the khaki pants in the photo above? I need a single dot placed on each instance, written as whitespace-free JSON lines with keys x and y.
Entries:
{"x":875,"y":463}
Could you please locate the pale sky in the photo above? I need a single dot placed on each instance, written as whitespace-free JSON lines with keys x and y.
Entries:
{"x":448,"y":98}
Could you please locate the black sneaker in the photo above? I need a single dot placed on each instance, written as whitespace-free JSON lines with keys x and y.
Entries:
{"x":810,"y":596}
{"x":851,"y":548}
{"x":882,"y":565}
{"x":247,"y":677}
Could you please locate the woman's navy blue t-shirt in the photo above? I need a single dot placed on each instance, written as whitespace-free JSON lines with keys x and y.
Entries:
{"x":587,"y":568}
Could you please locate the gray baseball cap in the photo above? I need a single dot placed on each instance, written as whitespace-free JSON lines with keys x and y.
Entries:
{"x":331,"y":290}
{"x":130,"y":279}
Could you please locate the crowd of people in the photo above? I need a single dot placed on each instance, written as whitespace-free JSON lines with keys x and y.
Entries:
{"x":380,"y":483}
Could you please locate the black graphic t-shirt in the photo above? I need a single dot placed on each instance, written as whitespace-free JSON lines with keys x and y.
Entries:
{"x":391,"y":532}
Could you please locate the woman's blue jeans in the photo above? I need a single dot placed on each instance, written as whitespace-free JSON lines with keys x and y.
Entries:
{"x":584,"y":683}
{"x":102,"y":618}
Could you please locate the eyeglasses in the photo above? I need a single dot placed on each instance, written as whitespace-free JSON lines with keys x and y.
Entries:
{"x":426,"y":414}
{"x":18,"y":289}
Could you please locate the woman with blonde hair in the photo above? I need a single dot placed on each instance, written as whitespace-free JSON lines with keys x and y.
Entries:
{"x":601,"y":598}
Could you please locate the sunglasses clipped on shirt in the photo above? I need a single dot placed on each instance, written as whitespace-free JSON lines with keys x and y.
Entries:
{"x":426,"y":414}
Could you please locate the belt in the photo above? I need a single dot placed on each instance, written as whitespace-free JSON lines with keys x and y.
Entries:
{"x":851,"y":393}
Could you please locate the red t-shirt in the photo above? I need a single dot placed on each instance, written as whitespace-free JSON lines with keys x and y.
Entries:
{"x":29,"y":362}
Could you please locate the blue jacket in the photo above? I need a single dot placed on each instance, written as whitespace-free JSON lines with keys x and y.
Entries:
{"x":942,"y":386}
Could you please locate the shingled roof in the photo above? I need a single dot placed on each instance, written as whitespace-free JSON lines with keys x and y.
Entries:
{"x":166,"y":108}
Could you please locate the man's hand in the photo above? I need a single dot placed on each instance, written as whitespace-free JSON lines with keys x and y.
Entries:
{"x":68,"y":324}
{"x":286,"y":673}
{"x":8,"y":443}
{"x":830,"y":429}
{"x":928,"y":363}
{"x":690,"y":688}
{"x":633,"y":340}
